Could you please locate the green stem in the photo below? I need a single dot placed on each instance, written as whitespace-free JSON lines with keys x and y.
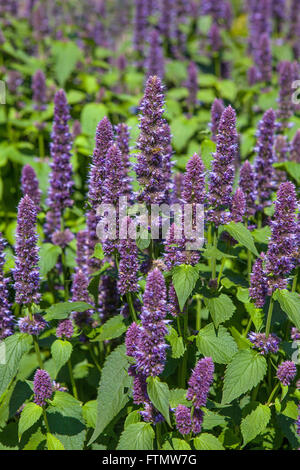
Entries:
{"x":273,"y":393}
{"x":41,"y":146}
{"x":158,"y":435}
{"x":94,"y":358}
{"x":46,"y":420}
{"x":131,"y":306}
{"x":269,"y":318}
{"x":63,"y":261}
{"x":198,"y":314}
{"x":213,"y":260}
{"x":249,"y":264}
{"x":72,"y":380}
{"x":221,"y":270}
{"x":295,"y":281}
{"x":38,"y":352}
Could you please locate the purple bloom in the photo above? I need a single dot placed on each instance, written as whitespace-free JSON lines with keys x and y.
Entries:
{"x":283,"y":244}
{"x":215,"y":8}
{"x":80,"y":293}
{"x":108,"y":299}
{"x":259,"y":21}
{"x":263,"y":58}
{"x":140,"y":26}
{"x":295,"y":334}
{"x":176,"y":194}
{"x":258,"y":284}
{"x":198,"y":416}
{"x":222,"y":175}
{"x":173,"y":305}
{"x":295,"y":147}
{"x":217,"y":110}
{"x":286,"y":372}
{"x":32,"y":326}
{"x":82,"y":251}
{"x":175,"y":249}
{"x":129,"y":265}
{"x":263,"y":344}
{"x":155,"y":60}
{"x":65,"y":329}
{"x":61,"y":184}
{"x":62,"y":238}
{"x":200,"y":382}
{"x":194,"y":181}
{"x":279,"y":13}
{"x":214,"y":37}
{"x":166,"y":19}
{"x":247,"y":184}
{"x":253,"y":75}
{"x":285,"y":103}
{"x":192,"y":86}
{"x":76,"y":131}
{"x":122,"y":140}
{"x":264,"y":171}
{"x":42,"y":387}
{"x":167,"y":164}
{"x":298,"y":421}
{"x":26,"y":271}
{"x":132,"y":334}
{"x":30,"y":185}
{"x":281,"y":148}
{"x":151,"y":143}
{"x":238,"y":206}
{"x":6,"y":317}
{"x":183,"y":419}
{"x":151,"y":346}
{"x":39,"y":90}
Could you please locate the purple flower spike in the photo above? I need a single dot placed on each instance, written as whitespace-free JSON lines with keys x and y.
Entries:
{"x":281,"y":148}
{"x":39,"y":90}
{"x":285,"y":103}
{"x":295,"y":147}
{"x":155,"y":60}
{"x":82,"y":251}
{"x":122,"y":140}
{"x":61,"y":184}
{"x":32,"y":326}
{"x":258,"y":284}
{"x":151,"y":346}
{"x":283,"y":244}
{"x":264,"y":171}
{"x":30,"y":185}
{"x":65,"y":329}
{"x":6,"y":317}
{"x":183,"y":419}
{"x":247,"y":184}
{"x":140,"y":26}
{"x":200,"y":382}
{"x":129,"y":265}
{"x":80,"y":293}
{"x":295,"y":334}
{"x":263,"y":344}
{"x":42,"y":387}
{"x":217,"y":110}
{"x":194,"y":181}
{"x":222,"y":175}
{"x":253,"y":75}
{"x":286,"y":372}
{"x":263,"y":58}
{"x":131,"y":339}
{"x":215,"y":39}
{"x":192,"y":86}
{"x":238,"y":206}
{"x":152,"y":144}
{"x":26,"y":271}
{"x":166,"y":19}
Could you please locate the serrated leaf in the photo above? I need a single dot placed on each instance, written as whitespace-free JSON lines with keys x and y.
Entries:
{"x":65,"y":420}
{"x":89,"y":411}
{"x":290,"y":304}
{"x":62,"y":310}
{"x":207,"y":442}
{"x":112,"y":328}
{"x":217,"y":344}
{"x":133,"y":418}
{"x":159,"y":395}
{"x":112,"y":396}
{"x":98,"y":251}
{"x":180,"y":444}
{"x":245,"y":371}
{"x":255,"y":423}
{"x":11,"y":352}
{"x":49,"y":254}
{"x":242,"y":235}
{"x":184,"y":280}
{"x":176,"y":343}
{"x":137,"y":436}
{"x":212,"y":420}
{"x":66,"y":55}
{"x":53,"y":443}
{"x":262,"y":235}
{"x":30,"y":414}
{"x":221,"y":308}
{"x":61,"y":352}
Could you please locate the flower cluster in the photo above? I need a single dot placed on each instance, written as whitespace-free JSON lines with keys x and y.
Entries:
{"x":263,"y":344}
{"x":6,"y":316}
{"x":42,"y":387}
{"x":286,"y":372}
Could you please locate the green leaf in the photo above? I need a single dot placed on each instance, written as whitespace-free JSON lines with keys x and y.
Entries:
{"x":111,"y":394}
{"x":182,"y":130}
{"x":176,"y":343}
{"x":137,"y":436}
{"x":208,"y":147}
{"x":66,"y":422}
{"x":89,"y":411}
{"x":30,"y":414}
{"x":262,"y":235}
{"x":290,"y":304}
{"x":62,"y":310}
{"x":91,"y":114}
{"x":66,"y":55}
{"x":48,"y":257}
{"x":227,"y":89}
{"x":221,"y":308}
{"x":61,"y":352}
{"x":255,"y":423}
{"x":98,"y":251}
{"x":219,"y":345}
{"x":212,"y":420}
{"x":133,"y":418}
{"x":184,"y":281}
{"x":113,"y":328}
{"x":242,"y":235}
{"x":207,"y":442}
{"x":159,"y":395}
{"x":53,"y":443}
{"x":11,"y":352}
{"x":245,"y":371}
{"x":178,"y":397}
{"x":180,"y":444}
